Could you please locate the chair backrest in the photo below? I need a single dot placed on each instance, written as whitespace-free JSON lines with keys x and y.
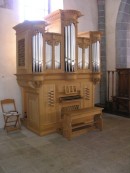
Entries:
{"x":8,"y":105}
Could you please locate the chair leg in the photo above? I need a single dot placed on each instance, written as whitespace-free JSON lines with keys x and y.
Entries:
{"x":19,"y":125}
{"x":16,"y":124}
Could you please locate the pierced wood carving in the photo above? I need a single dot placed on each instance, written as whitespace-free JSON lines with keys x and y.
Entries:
{"x":70,"y":89}
{"x":87,"y":93}
{"x":21,"y":52}
{"x":51,"y":98}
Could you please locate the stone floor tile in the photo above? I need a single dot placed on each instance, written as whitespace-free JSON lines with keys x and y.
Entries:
{"x":106,"y":151}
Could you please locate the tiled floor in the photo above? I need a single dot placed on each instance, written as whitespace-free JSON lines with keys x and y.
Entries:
{"x":95,"y":152}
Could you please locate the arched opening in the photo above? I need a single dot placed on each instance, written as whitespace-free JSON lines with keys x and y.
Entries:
{"x":123,"y":35}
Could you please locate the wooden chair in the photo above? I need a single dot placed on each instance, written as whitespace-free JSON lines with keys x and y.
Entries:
{"x":11,"y":115}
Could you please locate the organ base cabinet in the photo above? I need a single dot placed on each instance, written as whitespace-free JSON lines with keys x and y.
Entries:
{"x":57,"y":68}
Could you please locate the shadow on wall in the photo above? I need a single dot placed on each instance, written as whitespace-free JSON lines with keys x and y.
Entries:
{"x":123,"y":35}
{"x":9,"y":89}
{"x":6,"y":4}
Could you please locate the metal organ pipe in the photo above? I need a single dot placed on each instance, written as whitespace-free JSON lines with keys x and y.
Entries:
{"x":57,"y":56}
{"x":36,"y":55}
{"x":69,"y":47}
{"x":87,"y":58}
{"x":39,"y":52}
{"x":37,"y":45}
{"x":96,"y":56}
{"x":80,"y":56}
{"x":73,"y":45}
{"x":66,"y":48}
{"x":41,"y":55}
{"x":69,"y":43}
{"x":48,"y":61}
{"x":33,"y":47}
{"x":93,"y":56}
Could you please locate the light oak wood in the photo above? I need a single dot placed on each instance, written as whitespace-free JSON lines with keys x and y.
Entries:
{"x":80,"y":121}
{"x":48,"y":88}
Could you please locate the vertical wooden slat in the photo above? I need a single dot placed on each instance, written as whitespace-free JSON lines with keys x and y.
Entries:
{"x":108,"y":80}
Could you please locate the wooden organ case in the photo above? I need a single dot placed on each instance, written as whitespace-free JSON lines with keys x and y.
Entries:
{"x":57,"y":68}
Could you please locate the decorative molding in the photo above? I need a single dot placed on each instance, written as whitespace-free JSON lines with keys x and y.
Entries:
{"x":87,"y":93}
{"x":35,"y":84}
{"x":64,"y":15}
{"x":70,"y":89}
{"x":30,"y":84}
{"x":96,"y":80}
{"x":51,"y":97}
{"x":83,"y":42}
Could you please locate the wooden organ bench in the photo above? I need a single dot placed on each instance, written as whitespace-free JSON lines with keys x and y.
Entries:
{"x":82,"y":120}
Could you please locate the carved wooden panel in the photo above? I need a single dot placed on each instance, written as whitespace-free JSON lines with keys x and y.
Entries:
{"x":51,"y":97}
{"x":69,"y":108}
{"x":49,"y":104}
{"x":33,"y":110}
{"x":87,"y":93}
{"x":21,"y":52}
{"x":70,"y":89}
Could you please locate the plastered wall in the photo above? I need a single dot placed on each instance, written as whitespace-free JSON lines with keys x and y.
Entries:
{"x":111,"y":17}
{"x":8,"y":84}
{"x":89,"y":9}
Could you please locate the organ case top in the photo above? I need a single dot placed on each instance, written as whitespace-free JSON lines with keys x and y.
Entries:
{"x":57,"y":68}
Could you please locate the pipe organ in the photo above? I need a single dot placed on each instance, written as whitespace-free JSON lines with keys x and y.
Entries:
{"x":57,"y":68}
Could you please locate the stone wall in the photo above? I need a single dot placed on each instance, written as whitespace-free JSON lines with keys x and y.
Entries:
{"x":123,"y":35}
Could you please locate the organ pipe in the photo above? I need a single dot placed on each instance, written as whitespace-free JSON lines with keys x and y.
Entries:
{"x":87,"y":58}
{"x":70,"y":43}
{"x":83,"y":58}
{"x":80,"y":57}
{"x":66,"y":48}
{"x":73,"y":45}
{"x":57,"y":57}
{"x":37,"y":46}
{"x":33,"y":46}
{"x":96,"y":56}
{"x":48,"y":56}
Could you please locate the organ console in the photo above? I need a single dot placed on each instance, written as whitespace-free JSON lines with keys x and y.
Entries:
{"x":57,"y":68}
